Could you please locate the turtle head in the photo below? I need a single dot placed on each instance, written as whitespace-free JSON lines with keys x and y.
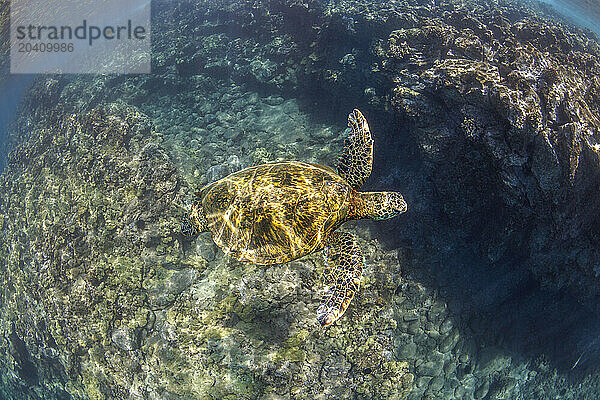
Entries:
{"x":192,"y":223}
{"x":378,"y":205}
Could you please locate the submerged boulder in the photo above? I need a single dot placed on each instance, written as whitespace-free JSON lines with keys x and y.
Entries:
{"x":514,"y":101}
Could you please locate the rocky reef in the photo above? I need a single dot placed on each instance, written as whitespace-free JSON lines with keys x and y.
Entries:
{"x":485,"y":118}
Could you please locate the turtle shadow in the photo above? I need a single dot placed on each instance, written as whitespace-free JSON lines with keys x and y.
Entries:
{"x":270,"y":325}
{"x":495,"y":303}
{"x":259,"y":314}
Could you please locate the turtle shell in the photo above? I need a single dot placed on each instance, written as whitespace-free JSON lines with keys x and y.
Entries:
{"x":273,"y":213}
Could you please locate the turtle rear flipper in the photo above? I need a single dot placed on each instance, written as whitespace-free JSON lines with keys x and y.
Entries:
{"x":344,"y":263}
{"x":356,"y":162}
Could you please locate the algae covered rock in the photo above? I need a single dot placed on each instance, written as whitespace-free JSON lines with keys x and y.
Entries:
{"x":514,"y":98}
{"x":94,"y":187}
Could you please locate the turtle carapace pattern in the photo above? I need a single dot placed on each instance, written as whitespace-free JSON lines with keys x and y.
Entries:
{"x":278,"y":212}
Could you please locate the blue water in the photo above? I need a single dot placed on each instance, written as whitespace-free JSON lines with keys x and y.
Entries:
{"x":584,"y":13}
{"x":12,"y":89}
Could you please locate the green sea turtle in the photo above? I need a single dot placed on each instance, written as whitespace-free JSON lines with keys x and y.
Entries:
{"x":281,"y":211}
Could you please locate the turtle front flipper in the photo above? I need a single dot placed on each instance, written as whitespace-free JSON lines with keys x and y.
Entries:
{"x":356,"y":162}
{"x":344,"y":263}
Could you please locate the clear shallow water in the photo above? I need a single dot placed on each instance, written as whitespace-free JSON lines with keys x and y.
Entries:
{"x":584,"y":13}
{"x":462,"y":312}
{"x":12,"y":88}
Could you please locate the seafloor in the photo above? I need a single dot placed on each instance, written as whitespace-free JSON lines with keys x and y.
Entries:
{"x":485,"y":116}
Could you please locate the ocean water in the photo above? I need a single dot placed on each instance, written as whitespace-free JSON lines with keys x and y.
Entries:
{"x":13,"y":89}
{"x":484,"y":117}
{"x":582,"y":13}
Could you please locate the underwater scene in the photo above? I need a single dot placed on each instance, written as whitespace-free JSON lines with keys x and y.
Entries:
{"x":307,"y":199}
